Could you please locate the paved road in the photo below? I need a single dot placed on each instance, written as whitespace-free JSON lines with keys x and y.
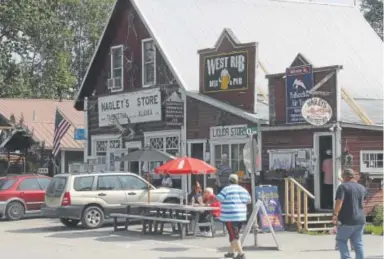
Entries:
{"x":46,"y":239}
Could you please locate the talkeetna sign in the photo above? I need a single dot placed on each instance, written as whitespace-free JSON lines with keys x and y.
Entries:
{"x":133,"y":107}
{"x":226,"y":72}
{"x":230,"y":66}
{"x":299,"y":81}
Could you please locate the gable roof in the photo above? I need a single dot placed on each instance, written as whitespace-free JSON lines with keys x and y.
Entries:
{"x":327,"y":34}
{"x":39,"y":116}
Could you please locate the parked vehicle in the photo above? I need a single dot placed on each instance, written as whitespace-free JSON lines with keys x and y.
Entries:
{"x":22,"y":194}
{"x":89,"y":198}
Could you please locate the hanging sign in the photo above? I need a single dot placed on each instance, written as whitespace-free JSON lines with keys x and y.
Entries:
{"x":299,"y":81}
{"x":174,"y":110}
{"x":133,"y":107}
{"x":316,"y":111}
{"x":226,"y":72}
{"x":269,"y":195}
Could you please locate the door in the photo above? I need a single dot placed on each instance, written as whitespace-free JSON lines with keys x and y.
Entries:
{"x":110,"y":193}
{"x":31,"y":192}
{"x":323,"y":142}
{"x":114,"y":159}
{"x":135,"y":188}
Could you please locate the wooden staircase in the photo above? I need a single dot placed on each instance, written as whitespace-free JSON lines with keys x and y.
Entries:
{"x":296,"y":210}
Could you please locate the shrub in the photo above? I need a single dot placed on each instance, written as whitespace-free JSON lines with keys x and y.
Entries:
{"x":378,"y":215}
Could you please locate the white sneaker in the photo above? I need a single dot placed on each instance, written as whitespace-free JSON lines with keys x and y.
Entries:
{"x":206,"y":234}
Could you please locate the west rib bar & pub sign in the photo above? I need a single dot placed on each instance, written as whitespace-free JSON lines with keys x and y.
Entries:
{"x":229,"y":67}
{"x":226,"y":72}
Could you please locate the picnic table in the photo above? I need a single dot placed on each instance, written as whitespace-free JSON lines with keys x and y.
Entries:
{"x":155,"y":214}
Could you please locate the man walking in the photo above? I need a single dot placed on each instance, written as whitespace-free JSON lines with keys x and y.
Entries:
{"x":223,"y":172}
{"x":349,"y":215}
{"x":234,"y":200}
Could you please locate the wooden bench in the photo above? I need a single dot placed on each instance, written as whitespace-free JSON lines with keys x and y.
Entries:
{"x":150,"y":220}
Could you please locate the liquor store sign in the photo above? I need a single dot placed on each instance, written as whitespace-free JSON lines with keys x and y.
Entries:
{"x":226,"y":72}
{"x":229,"y":132}
{"x":133,"y":107}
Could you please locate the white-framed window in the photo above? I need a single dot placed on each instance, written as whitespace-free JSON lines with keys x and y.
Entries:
{"x":116,"y":82}
{"x":106,"y":148}
{"x":234,"y":151}
{"x":166,"y":141}
{"x":371,"y":161}
{"x":148,"y":55}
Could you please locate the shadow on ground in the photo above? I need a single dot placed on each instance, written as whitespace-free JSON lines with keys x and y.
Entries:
{"x":250,"y":248}
{"x":188,"y":257}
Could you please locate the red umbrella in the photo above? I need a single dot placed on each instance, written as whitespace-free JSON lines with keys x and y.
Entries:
{"x":186,"y":165}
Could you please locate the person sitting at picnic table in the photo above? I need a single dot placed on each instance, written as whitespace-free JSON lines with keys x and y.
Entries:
{"x":196,"y":196}
{"x":209,"y":200}
{"x":166,"y":181}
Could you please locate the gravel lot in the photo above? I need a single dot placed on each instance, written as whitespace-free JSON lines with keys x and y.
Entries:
{"x":38,"y":238}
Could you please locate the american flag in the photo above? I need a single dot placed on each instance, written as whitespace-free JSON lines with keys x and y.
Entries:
{"x":61,"y":127}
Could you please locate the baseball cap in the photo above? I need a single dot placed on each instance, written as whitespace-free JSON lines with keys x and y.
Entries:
{"x":348,"y":173}
{"x":233,"y":178}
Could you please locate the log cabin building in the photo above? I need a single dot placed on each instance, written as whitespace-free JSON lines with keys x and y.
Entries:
{"x":155,"y":72}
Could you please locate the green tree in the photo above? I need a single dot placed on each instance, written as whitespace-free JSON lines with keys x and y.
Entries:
{"x":46,"y":45}
{"x":373,"y":12}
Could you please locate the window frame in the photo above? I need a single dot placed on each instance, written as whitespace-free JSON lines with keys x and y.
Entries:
{"x":96,"y":187}
{"x":367,"y":170}
{"x":84,"y":176}
{"x":143,"y":63}
{"x":138,"y":179}
{"x":31,"y":178}
{"x":121,"y":47}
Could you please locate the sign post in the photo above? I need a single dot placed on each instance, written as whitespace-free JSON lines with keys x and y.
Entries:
{"x":252,"y":160}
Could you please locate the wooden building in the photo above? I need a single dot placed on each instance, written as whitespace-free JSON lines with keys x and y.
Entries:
{"x":163,"y":50}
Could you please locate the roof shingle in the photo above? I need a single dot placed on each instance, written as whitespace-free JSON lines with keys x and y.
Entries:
{"x":39,"y":116}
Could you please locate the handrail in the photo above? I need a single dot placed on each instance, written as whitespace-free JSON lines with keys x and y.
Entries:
{"x":301,"y":187}
{"x":293,"y":187}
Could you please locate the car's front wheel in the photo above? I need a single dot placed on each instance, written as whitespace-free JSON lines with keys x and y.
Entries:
{"x":69,"y":222}
{"x":15,"y":210}
{"x":93,"y":217}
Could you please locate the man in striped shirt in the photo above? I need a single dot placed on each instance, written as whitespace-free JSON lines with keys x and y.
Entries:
{"x":234,"y":200}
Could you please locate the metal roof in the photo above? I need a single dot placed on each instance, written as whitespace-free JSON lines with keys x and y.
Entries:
{"x":39,"y":116}
{"x":326,"y":34}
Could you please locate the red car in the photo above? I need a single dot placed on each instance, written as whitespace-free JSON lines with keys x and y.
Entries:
{"x":22,"y":194}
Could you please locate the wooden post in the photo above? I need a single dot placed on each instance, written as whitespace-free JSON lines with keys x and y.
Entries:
{"x":298,"y":204}
{"x":305,"y":212}
{"x":286,"y":201}
{"x":292,"y":202}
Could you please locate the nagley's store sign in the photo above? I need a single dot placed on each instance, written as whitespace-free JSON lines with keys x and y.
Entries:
{"x":226,"y":72}
{"x":228,"y":132}
{"x":133,"y":107}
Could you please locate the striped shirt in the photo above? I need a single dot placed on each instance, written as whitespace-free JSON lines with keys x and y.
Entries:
{"x":234,"y":199}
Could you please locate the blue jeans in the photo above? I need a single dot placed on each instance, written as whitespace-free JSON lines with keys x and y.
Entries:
{"x":355,"y":234}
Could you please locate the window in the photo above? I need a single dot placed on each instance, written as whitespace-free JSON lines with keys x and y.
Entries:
{"x":234,"y":153}
{"x":102,"y":145}
{"x":166,"y":141}
{"x":148,"y":53}
{"x":56,"y":187}
{"x":84,"y":183}
{"x":108,"y":183}
{"x":115,"y":83}
{"x":237,"y":162}
{"x":5,"y":184}
{"x":371,"y":161}
{"x":44,"y":182}
{"x":130,"y":182}
{"x":219,"y":151}
{"x":30,"y":184}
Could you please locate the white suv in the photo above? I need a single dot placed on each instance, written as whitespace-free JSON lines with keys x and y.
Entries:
{"x":91,"y":197}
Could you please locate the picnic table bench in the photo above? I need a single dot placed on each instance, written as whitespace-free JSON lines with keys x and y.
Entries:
{"x":157,"y":214}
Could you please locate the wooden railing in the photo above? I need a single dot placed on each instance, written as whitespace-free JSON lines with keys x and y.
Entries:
{"x":293,"y":196}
